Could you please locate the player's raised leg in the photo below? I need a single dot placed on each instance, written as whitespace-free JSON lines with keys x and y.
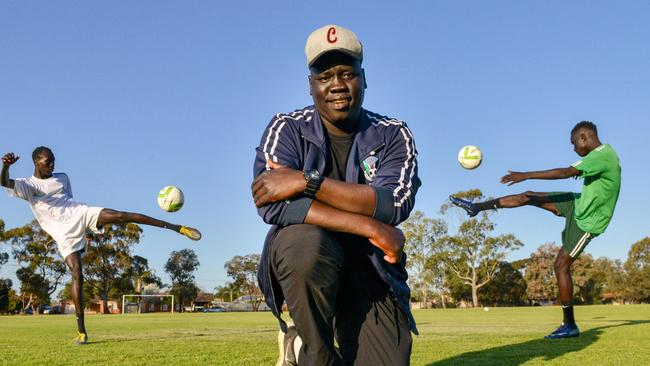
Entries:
{"x":109,"y":216}
{"x":73,"y":261}
{"x":539,"y":199}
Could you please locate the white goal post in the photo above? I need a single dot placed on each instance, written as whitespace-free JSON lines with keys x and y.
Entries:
{"x":144,"y":296}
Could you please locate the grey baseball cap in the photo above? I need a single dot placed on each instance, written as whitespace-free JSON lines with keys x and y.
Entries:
{"x":332,"y":38}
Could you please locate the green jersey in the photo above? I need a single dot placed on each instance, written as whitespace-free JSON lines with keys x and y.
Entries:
{"x":594,"y":207}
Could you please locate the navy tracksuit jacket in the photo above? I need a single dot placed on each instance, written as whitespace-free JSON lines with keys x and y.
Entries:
{"x":383,"y":153}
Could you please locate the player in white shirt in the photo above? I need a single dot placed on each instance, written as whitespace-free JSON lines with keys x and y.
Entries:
{"x":67,"y":221}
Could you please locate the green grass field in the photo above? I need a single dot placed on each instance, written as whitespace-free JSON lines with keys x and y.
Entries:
{"x":611,"y":335}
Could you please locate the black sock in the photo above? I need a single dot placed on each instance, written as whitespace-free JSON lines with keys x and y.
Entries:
{"x":80,"y":325}
{"x":567,"y":310}
{"x":488,"y":205}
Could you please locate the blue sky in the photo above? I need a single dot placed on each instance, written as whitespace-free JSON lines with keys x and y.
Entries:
{"x":133,"y":96}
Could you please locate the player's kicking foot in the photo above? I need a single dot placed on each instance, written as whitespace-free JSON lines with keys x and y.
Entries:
{"x":82,"y":338}
{"x":564,"y":331}
{"x":468,"y":206}
{"x":289,"y":344}
{"x":190,"y":232}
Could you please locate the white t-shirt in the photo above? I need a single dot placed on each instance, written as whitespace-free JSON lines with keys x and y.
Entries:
{"x":65,"y":219}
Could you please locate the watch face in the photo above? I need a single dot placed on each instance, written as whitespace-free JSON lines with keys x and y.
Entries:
{"x":312,"y":174}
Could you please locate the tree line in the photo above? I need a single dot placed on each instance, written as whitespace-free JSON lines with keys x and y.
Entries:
{"x":468,"y":266}
{"x":446,"y":269}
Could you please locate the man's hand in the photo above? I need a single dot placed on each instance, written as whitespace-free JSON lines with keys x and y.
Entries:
{"x":277,"y":184}
{"x":9,"y":159}
{"x":390,"y":240}
{"x":513,"y":177}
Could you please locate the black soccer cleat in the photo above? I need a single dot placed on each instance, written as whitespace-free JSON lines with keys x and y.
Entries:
{"x":468,"y":206}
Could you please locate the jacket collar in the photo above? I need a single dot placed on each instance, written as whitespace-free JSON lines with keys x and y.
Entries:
{"x":367,"y":137}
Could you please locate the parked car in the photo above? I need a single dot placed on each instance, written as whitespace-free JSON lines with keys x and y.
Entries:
{"x":214,"y":309}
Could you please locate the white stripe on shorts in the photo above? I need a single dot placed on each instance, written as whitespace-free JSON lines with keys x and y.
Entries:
{"x":581,"y":243}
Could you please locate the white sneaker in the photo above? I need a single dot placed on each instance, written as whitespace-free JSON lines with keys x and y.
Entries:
{"x":289,"y":344}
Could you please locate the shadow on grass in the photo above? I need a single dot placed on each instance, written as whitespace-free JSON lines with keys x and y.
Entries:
{"x":517,"y":354}
{"x":173,"y":336}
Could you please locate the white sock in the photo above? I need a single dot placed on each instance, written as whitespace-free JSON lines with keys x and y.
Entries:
{"x":297,"y":343}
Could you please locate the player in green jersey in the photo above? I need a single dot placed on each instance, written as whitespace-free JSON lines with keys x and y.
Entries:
{"x":587,"y":214}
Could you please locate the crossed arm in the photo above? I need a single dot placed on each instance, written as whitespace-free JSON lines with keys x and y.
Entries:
{"x":338,"y":206}
{"x":281,"y":183}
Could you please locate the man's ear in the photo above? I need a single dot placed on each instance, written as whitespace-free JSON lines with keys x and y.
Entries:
{"x":363,"y":74}
{"x":310,"y":89}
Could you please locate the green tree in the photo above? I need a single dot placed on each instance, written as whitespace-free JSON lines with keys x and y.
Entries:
{"x":243,"y":269}
{"x":109,"y":257}
{"x":472,"y":254}
{"x":614,"y":278}
{"x":134,"y":279}
{"x":4,"y":258}
{"x":458,"y":290}
{"x":141,"y":275}
{"x":42,"y":269}
{"x":507,"y":288}
{"x":180,"y":267}
{"x":587,"y":282}
{"x":5,"y":288}
{"x":637,"y":267}
{"x":66,"y":293}
{"x":425,"y":256}
{"x":540,"y":274}
{"x":5,"y":284}
{"x":229,"y":291}
{"x":542,"y":284}
{"x":33,"y":288}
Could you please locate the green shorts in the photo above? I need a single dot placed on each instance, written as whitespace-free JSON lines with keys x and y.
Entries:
{"x":574,"y":239}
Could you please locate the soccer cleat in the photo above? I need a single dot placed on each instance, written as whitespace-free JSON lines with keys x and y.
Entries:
{"x":191,"y":233}
{"x":468,"y":206}
{"x":82,"y":338}
{"x":564,"y":331}
{"x":289,"y":344}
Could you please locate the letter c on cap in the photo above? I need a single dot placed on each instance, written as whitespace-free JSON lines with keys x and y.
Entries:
{"x":331,"y":35}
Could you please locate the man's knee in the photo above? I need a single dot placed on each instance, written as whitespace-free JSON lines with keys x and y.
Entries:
{"x":73,"y":261}
{"x":76,"y":273}
{"x":304,"y":250}
{"x":563,"y":262}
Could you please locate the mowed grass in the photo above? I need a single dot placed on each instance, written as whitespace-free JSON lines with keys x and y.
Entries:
{"x":611,"y":335}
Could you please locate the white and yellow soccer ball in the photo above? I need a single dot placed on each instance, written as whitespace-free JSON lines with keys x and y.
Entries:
{"x":470,"y":157}
{"x":171,"y":199}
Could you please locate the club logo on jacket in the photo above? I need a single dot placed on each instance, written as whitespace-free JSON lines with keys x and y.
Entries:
{"x":369,"y":166}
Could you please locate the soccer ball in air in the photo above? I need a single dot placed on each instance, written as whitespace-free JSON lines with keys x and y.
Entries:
{"x":170,"y":199}
{"x":470,"y":157}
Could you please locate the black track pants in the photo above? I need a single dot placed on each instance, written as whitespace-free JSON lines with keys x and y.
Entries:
{"x":333,"y":291}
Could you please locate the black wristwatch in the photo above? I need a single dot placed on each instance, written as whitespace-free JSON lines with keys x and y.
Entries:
{"x":314,"y":180}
